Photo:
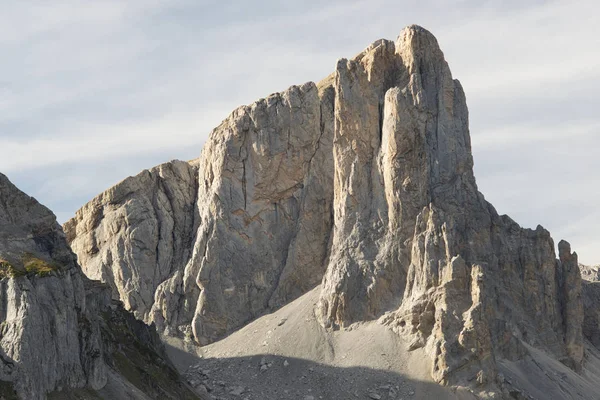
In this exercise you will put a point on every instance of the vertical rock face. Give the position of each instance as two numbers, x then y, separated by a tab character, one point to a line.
591	303
56	330
203	250
393	100
139	234
366	181
413	237
264	199
41	307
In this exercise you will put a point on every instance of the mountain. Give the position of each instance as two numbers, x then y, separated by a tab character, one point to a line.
203	248
361	185
61	335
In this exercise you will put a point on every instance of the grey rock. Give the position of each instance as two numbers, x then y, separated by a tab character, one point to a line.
60	331
265	204
590	272
591	308
41	308
205	252
364	183
138	237
413	234
237	390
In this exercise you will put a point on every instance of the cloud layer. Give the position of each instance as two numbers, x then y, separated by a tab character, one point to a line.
91	92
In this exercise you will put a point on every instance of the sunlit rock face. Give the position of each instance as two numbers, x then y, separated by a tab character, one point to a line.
201	248
414	239
364	183
138	237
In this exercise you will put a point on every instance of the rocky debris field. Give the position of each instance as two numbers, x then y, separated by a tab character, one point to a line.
274	377
287	355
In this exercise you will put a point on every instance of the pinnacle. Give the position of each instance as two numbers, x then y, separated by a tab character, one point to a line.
418	39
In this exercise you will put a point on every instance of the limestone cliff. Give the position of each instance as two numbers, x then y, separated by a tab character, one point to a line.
59	331
203	252
414	238
364	181
139	234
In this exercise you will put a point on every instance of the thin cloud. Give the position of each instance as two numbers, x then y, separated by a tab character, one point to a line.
93	92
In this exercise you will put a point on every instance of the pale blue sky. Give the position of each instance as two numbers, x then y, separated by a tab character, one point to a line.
94	91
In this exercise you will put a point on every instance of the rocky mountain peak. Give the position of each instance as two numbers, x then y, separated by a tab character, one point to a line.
362	186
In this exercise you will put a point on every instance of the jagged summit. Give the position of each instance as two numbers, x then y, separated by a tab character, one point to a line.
362	186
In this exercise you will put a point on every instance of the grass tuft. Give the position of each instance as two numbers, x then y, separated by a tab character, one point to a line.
37	266
7	270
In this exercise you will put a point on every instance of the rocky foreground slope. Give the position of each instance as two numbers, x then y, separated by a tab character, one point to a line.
61	335
363	183
287	355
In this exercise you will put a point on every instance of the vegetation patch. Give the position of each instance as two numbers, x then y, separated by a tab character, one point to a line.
37	266
7	270
7	391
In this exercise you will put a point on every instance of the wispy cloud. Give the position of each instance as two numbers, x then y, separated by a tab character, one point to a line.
91	92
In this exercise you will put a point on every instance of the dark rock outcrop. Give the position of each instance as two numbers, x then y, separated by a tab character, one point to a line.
59	331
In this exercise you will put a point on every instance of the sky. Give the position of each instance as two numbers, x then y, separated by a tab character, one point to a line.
94	91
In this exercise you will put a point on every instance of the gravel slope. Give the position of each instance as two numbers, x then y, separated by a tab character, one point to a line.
288	355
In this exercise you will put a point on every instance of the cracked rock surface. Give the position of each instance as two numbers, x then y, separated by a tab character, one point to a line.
363	183
61	336
202	248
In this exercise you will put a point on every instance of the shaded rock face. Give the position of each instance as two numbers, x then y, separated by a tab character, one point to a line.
591	321
54	320
591	302
366	182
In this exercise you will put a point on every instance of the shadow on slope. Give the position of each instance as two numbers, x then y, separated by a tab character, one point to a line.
288	355
268	377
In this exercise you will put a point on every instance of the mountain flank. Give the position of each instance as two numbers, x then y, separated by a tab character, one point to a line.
61	334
